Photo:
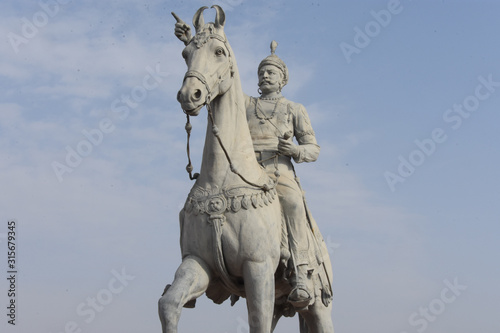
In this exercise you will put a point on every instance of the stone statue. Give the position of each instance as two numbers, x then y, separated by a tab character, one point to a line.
237	240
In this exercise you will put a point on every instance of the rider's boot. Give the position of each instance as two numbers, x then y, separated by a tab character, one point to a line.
300	296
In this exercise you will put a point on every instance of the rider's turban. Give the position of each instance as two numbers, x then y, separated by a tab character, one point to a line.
274	60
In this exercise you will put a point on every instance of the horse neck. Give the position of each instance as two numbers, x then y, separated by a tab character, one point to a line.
229	117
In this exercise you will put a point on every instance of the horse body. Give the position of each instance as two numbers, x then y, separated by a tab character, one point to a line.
231	223
216	175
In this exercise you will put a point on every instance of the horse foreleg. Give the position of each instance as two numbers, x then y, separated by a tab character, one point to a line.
191	281
259	289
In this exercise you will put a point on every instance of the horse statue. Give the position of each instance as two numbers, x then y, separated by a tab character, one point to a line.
231	224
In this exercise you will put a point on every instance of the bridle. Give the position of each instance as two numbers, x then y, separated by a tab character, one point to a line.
215	129
220	76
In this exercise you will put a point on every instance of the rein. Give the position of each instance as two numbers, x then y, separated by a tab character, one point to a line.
215	129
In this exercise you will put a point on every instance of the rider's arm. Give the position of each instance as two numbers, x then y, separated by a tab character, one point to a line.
307	149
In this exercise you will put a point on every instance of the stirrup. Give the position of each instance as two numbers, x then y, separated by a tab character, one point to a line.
299	303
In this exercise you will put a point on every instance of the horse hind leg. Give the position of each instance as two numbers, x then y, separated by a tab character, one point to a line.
190	282
317	319
278	313
303	325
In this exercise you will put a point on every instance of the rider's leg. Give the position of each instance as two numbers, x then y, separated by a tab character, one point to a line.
296	220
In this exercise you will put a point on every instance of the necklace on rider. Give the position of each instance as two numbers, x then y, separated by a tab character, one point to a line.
263	118
270	98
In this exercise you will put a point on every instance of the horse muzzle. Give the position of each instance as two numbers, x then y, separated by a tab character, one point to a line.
192	96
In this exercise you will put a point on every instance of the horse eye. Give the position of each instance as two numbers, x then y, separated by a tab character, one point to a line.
219	51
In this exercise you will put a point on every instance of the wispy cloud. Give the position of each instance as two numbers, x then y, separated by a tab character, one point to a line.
120	206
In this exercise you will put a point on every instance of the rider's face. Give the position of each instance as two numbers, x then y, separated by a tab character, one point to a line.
269	79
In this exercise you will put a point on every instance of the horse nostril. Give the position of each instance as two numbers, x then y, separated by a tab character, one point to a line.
197	94
179	96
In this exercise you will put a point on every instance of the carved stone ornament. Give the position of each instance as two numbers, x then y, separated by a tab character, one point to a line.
215	202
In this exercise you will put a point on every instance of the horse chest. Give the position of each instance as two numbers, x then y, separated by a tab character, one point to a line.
238	236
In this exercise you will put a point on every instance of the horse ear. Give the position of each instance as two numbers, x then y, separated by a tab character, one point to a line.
198	20
220	17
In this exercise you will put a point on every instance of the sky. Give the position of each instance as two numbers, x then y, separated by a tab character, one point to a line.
403	97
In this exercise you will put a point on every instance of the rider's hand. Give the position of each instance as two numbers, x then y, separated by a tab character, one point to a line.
287	147
182	30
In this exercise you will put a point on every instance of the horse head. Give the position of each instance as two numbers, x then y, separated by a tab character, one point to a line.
209	61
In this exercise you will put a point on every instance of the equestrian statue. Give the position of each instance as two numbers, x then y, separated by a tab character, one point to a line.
245	229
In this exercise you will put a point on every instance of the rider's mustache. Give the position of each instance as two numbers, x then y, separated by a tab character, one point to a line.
261	82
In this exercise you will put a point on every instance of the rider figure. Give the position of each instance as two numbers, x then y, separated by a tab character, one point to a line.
274	121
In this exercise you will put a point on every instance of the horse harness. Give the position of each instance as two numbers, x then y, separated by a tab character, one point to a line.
215	203
200	40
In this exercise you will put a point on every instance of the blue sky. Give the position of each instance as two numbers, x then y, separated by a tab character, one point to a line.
403	97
